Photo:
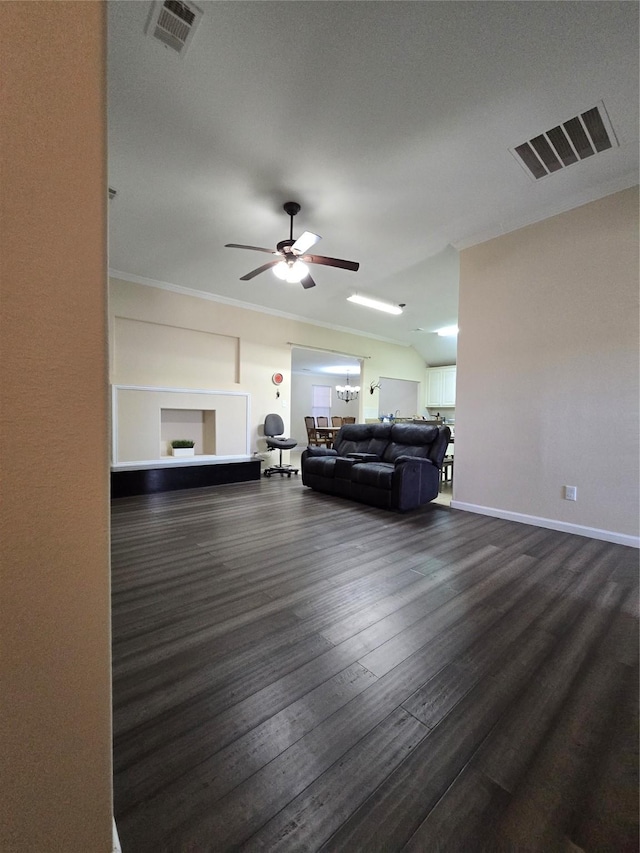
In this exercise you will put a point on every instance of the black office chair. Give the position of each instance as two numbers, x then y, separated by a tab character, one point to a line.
273	430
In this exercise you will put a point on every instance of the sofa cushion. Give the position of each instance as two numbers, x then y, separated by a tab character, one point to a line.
375	474
410	440
321	466
362	438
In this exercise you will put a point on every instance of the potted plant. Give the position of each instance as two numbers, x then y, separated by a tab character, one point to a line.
182	447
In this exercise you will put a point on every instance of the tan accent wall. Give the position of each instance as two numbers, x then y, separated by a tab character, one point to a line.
547	390
54	597
261	342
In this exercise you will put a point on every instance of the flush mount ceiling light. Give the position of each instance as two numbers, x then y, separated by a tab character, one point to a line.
375	303
447	331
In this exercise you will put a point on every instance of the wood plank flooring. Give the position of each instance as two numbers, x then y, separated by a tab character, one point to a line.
298	672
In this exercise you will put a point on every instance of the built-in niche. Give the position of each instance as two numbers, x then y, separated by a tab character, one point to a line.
147	419
199	425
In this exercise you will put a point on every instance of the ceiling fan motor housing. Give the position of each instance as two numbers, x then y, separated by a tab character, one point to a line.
284	247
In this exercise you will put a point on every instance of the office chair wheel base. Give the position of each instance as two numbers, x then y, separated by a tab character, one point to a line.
283	471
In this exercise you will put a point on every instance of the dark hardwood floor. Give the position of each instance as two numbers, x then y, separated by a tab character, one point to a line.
299	672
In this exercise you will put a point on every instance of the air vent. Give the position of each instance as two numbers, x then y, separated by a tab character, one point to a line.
174	23
573	140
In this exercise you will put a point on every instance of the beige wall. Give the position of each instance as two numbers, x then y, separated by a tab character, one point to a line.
261	341
55	663
147	420
547	390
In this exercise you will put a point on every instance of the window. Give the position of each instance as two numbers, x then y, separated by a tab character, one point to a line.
321	400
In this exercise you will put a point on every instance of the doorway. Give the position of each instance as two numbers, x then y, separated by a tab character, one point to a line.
323	371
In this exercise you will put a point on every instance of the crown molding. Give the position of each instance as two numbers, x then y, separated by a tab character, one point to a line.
247	306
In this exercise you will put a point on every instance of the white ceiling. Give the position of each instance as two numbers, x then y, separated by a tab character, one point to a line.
332	364
389	122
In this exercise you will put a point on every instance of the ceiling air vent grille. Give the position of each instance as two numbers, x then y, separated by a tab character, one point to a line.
174	22
575	139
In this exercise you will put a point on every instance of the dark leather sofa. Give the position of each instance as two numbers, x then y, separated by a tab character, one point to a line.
392	466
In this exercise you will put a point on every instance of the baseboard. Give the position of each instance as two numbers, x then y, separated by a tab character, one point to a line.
116	840
551	524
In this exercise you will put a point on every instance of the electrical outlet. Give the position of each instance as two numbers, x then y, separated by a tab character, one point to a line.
570	493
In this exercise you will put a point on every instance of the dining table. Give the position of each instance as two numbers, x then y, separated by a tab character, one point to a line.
326	435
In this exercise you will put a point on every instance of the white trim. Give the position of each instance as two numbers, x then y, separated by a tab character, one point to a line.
247	306
116	839
551	524
179	462
181	390
114	409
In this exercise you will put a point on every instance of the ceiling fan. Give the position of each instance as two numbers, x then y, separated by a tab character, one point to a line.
290	263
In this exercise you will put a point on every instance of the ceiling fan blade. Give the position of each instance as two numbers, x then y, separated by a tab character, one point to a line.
331	262
307	282
305	241
253	248
257	271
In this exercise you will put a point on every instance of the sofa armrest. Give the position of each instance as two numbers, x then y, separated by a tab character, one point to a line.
421	460
364	457
415	481
315	450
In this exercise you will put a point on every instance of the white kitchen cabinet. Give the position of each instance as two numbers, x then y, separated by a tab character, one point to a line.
441	386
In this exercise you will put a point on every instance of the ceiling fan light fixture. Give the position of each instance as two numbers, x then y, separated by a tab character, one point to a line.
281	270
374	303
291	268
291	273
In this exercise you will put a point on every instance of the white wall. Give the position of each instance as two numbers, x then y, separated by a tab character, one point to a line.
548	389
207	345
54	538
401	397
302	397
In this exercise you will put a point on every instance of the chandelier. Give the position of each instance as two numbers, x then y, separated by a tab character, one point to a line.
347	392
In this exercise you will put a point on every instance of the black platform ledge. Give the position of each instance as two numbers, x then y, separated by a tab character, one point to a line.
167	475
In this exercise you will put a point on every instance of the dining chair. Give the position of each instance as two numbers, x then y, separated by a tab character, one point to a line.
312	435
321	420
336	421
349	420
